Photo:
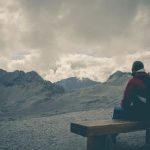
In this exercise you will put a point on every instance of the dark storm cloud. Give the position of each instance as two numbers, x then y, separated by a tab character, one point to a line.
86	20
68	26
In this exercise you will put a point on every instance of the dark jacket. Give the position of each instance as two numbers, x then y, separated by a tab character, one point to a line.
137	94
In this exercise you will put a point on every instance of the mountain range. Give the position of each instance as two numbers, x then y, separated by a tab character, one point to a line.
24	94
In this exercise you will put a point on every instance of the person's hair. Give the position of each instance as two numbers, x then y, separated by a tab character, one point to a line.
137	65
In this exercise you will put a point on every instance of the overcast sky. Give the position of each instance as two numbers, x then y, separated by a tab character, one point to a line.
83	38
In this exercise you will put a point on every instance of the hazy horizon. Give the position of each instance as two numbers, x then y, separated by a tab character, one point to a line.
65	38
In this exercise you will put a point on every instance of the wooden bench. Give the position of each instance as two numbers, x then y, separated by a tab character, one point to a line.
101	133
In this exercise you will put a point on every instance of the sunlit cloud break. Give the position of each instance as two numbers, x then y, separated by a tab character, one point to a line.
94	68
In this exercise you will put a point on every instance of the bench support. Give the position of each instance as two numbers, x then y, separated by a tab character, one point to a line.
104	142
148	136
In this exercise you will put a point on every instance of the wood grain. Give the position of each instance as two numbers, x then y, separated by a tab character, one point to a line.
103	127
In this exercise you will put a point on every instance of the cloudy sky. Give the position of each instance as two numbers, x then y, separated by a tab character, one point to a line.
83	38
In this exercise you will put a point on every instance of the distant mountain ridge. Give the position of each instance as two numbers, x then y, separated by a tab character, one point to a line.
118	78
20	78
74	83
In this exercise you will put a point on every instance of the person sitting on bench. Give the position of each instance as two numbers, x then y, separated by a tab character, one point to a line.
136	100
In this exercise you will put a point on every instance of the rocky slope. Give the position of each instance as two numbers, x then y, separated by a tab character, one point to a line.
21	91
118	78
27	94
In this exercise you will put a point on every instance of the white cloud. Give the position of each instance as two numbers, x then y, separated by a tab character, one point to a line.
25	60
81	65
95	68
73	38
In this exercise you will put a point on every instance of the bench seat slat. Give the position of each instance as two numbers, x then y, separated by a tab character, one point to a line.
102	127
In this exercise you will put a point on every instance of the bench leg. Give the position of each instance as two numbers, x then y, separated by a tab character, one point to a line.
105	142
147	136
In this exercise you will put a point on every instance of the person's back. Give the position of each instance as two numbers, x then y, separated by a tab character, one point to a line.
136	101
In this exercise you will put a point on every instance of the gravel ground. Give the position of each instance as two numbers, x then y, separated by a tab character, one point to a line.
53	133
